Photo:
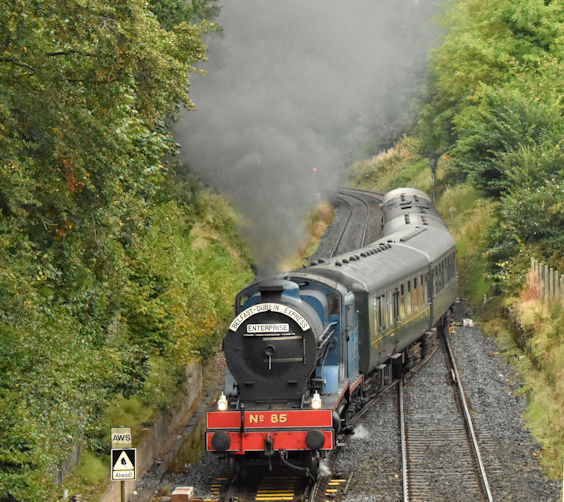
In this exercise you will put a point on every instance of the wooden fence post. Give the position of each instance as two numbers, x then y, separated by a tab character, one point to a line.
551	282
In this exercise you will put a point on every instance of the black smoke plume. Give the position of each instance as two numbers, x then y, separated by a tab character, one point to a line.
295	85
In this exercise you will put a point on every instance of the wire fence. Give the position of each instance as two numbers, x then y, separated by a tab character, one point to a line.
550	282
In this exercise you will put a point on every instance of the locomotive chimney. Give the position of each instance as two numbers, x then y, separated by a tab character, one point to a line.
272	291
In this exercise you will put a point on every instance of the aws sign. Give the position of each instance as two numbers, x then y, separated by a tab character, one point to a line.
121	437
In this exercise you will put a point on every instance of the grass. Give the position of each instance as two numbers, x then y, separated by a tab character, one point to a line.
316	224
129	412
469	220
92	469
90	476
544	377
540	365
396	167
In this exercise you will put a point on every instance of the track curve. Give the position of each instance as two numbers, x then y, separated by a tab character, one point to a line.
357	222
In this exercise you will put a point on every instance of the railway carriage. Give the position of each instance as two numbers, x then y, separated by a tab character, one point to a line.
308	348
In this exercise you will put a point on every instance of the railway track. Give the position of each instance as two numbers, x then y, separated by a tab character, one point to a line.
371	201
319	492
263	486
440	454
348	209
354	227
441	459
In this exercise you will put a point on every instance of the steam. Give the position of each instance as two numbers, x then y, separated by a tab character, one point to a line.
297	85
360	432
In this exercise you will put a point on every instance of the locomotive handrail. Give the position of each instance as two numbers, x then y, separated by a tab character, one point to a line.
325	335
323	347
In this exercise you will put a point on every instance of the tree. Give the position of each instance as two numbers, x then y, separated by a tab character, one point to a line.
85	90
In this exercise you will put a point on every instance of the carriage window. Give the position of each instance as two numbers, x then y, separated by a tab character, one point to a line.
396	306
380	313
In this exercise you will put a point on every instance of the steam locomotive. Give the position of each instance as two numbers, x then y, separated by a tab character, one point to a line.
308	348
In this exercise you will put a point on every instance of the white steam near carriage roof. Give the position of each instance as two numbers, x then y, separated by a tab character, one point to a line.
297	85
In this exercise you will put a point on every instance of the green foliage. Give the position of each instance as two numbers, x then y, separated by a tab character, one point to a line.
98	271
505	121
494	102
469	218
486	43
92	469
173	12
533	209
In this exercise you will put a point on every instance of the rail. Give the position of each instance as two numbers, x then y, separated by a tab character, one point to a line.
468	419
362	199
342	232
415	478
370	200
403	444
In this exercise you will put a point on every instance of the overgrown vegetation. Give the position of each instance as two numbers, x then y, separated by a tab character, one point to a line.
492	115
538	355
113	265
315	223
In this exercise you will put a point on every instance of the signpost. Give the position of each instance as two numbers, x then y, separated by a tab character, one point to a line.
123	457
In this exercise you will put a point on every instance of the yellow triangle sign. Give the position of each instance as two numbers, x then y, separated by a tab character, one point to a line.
123	463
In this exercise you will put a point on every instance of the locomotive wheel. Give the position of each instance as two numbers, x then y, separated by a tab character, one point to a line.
347	422
312	465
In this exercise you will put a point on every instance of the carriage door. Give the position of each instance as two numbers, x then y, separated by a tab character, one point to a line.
349	343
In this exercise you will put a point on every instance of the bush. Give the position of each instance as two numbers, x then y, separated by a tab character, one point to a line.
507	128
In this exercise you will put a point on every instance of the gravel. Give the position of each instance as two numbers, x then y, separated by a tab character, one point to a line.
201	475
372	454
509	451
